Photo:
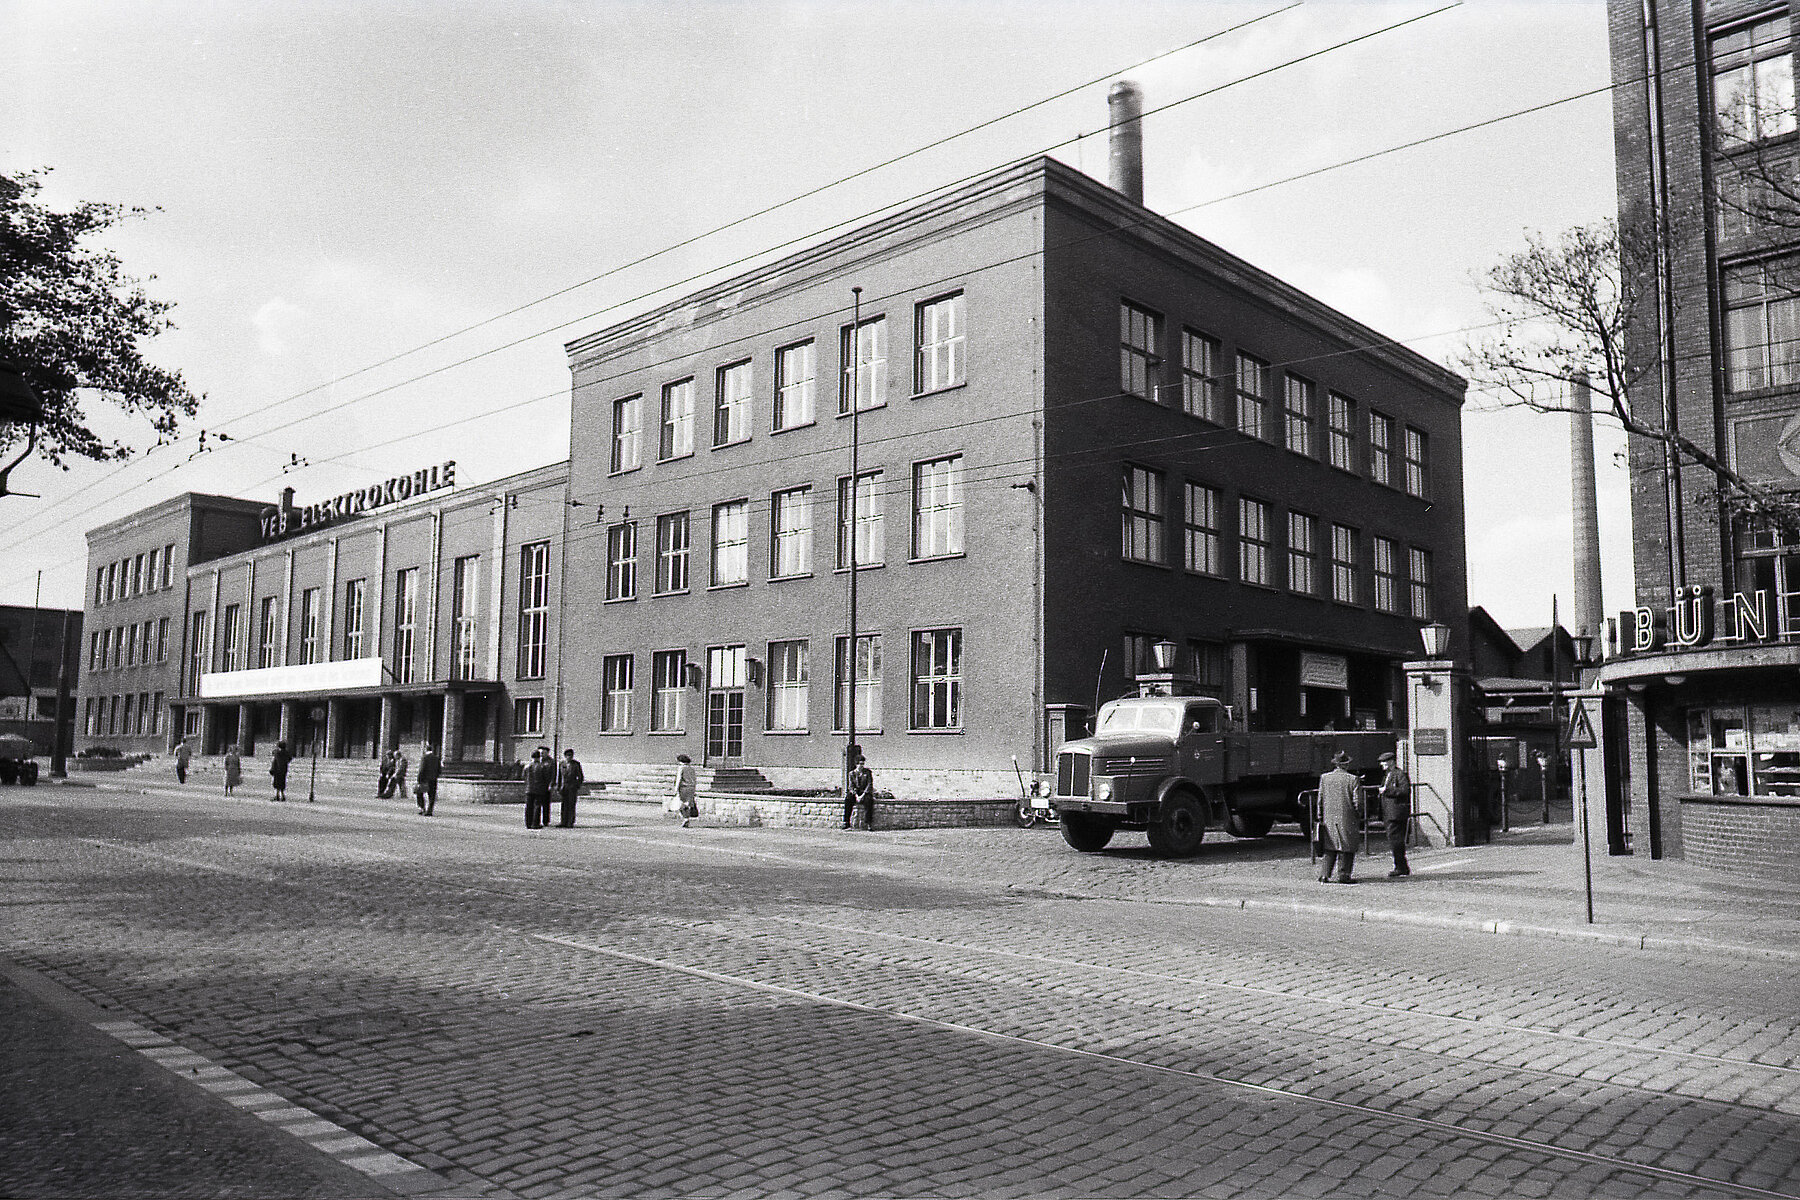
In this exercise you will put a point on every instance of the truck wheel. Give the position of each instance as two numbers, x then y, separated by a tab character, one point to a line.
1178	831
1087	834
1248	825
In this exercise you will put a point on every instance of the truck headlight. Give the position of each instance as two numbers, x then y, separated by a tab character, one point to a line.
1103	790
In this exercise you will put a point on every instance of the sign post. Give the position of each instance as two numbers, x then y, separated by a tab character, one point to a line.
1581	738
317	714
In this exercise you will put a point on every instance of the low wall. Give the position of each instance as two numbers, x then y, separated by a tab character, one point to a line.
481	791
1747	835
105	764
827	812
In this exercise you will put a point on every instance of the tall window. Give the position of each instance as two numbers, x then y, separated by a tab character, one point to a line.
168	566
861	519
790	519
937	679
1419	564
162	639
1381	448
1138	659
1300	412
677	440
1753	82
133	638
787	686
731	543
731	405
137	575
1303	553
1202	553
940	361
938	508
99	585
197	651
94	651
1762	325
1343	564
355	595
1341	430
1387	575
628	434
1140	351
866	370
1143	515
112	574
668	670
795	367
868	684
156	713
672	544
615	698
231	634
309	625
464	599
406	624
1253	542
528	716
534	608
1203	390
1414	449
1253	395
621	561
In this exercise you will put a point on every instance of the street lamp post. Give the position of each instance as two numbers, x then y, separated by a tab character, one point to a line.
315	714
854	499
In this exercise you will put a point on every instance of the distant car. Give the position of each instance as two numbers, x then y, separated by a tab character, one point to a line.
18	760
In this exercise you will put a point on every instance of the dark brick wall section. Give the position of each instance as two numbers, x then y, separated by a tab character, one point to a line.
1759	837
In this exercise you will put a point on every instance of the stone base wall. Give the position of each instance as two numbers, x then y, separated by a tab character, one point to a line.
827	812
480	791
942	784
1755	836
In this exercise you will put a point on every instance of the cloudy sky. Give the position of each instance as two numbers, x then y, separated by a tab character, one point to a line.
344	189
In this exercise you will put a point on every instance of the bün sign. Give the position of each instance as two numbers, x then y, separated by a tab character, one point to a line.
278	522
1697	619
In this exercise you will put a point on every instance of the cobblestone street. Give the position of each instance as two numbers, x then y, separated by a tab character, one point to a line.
460	1007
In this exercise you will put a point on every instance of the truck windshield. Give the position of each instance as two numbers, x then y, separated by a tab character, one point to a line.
1149	718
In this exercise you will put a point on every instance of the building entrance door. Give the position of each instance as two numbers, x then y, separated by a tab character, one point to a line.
725	704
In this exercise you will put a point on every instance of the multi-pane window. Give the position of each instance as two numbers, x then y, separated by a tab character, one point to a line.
1762	325
1138	658
1419	571
1140	351
99	585
668	675
672	545
230	638
731	543
355	595
162	639
197	651
406	623
1253	377
125	722
1143	512
940	361
867	692
1340	431
731	405
1303	553
168	566
112	576
132	637
787	686
94	651
677	438
795	368
865	369
1343	564
621	561
137	575
860	525
1203	391
790	520
1753	82
1202	519
464	598
528	716
1253	542
937	679
938	508
1206	662
615	695
1300	413
1387	575
534	608
1381	448
309	625
156	712
1414	449
628	434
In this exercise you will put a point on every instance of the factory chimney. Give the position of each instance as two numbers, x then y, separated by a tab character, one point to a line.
1126	144
1586	510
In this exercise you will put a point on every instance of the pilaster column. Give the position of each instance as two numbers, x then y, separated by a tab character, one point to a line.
209	728
290	712
334	728
452	749
1438	753
246	723
384	740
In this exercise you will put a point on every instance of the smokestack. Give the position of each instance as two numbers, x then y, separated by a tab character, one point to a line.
1126	143
287	498
1583	500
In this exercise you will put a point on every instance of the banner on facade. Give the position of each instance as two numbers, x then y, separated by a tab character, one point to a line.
285	681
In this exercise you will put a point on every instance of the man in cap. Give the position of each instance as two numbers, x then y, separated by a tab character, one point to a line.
1340	819
1396	811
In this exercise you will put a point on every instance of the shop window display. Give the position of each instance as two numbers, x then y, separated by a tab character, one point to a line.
1737	751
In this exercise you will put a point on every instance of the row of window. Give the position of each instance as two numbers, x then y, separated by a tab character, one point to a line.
1246	400
138	644
940	361
127	715
1314	558
135	575
937	532
1753	82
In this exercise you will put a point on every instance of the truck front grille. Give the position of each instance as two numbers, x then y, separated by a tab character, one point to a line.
1072	774
1127	766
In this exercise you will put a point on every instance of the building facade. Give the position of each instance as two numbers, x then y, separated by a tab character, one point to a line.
36	646
1703	667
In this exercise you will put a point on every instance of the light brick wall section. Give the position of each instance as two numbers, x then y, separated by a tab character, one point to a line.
1743	837
823	812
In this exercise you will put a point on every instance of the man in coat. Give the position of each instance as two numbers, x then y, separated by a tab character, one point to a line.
278	769
569	778
687	789
384	787
398	779
1340	819
426	789
861	790
184	753
540	773
1396	811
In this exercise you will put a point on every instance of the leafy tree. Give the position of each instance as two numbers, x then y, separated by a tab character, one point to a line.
74	322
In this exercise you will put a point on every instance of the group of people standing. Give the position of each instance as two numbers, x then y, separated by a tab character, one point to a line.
547	775
392	780
1340	821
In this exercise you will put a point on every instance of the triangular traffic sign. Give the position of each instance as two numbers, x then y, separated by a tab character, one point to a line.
1581	727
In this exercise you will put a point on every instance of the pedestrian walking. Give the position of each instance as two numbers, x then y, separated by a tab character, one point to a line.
1340	819
569	778
183	753
540	773
399	780
425	791
687	787
234	769
278	769
861	790
385	786
1396	811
